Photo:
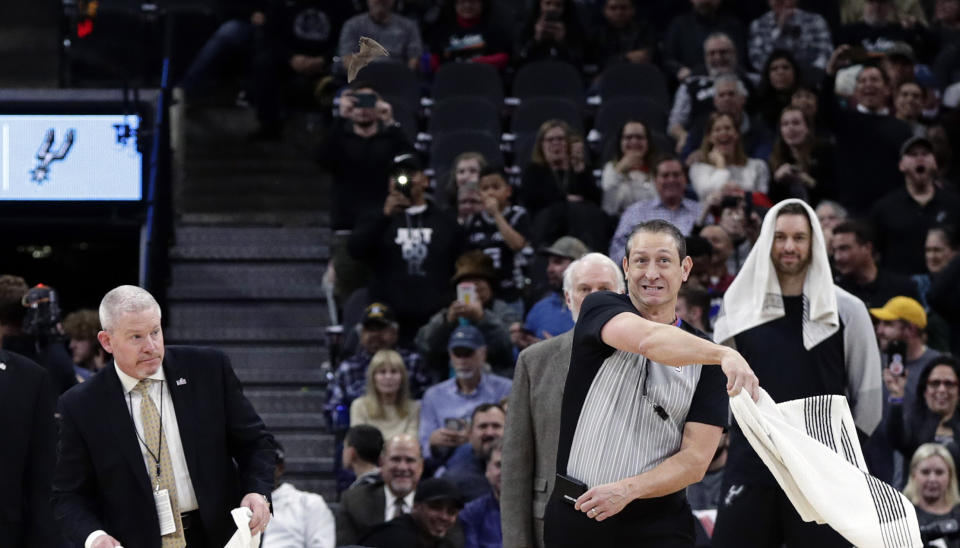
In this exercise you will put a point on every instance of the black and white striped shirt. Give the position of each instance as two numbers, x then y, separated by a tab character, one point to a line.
623	414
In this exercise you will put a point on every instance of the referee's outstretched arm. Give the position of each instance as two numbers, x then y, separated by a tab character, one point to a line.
671	345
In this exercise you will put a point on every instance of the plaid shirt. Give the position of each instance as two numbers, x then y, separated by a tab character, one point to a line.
350	380
805	34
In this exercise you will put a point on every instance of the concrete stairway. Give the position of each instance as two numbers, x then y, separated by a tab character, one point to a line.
251	247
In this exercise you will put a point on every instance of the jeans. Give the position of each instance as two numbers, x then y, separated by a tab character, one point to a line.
232	38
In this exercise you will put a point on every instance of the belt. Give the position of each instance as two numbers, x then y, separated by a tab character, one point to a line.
189	519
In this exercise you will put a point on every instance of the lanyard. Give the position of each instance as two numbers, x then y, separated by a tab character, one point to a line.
155	457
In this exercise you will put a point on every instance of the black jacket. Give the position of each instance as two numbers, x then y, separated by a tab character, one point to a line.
412	259
27	453
101	481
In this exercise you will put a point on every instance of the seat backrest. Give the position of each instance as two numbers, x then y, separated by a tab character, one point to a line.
468	79
404	116
532	113
615	112
549	79
443	151
460	113
634	80
393	78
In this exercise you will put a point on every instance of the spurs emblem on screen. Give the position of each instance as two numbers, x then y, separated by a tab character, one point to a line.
46	154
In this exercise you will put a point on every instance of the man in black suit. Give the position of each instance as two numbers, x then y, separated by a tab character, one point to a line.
29	434
156	450
366	506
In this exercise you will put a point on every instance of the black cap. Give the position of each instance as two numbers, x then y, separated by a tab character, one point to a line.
378	314
915	140
438	489
407	163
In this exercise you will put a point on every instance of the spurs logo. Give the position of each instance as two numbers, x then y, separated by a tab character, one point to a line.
46	154
732	493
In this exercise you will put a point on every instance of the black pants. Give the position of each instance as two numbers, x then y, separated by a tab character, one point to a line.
761	516
195	535
664	523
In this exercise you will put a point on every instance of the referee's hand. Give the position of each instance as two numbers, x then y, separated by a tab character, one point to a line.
739	375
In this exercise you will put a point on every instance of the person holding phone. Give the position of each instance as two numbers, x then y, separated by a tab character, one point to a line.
552	32
410	247
476	304
901	332
932	417
457	397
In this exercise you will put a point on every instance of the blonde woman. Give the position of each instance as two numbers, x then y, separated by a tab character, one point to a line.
932	487
386	403
721	159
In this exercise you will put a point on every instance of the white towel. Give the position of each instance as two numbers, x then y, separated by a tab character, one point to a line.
811	448
754	298
242	538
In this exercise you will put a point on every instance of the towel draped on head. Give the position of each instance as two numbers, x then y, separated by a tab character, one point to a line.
755	298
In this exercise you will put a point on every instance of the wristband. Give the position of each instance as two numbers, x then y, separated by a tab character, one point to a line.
895	400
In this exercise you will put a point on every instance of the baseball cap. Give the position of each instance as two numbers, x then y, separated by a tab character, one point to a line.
438	489
377	314
567	246
902	308
466	336
915	140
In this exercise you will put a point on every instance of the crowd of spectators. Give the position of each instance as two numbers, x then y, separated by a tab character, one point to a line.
851	106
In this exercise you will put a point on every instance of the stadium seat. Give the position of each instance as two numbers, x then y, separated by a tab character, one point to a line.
549	79
467	79
634	80
464	113
615	112
443	151
394	79
530	114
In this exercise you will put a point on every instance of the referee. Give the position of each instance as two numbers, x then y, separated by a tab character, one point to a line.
636	427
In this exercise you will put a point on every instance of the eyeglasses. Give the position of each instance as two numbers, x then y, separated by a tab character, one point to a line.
937	383
462	352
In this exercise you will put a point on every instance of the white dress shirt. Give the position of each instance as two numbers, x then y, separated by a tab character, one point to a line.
391	498
186	498
300	520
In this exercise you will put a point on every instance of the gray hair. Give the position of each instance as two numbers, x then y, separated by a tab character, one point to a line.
837	208
718	35
124	299
592	258
730	78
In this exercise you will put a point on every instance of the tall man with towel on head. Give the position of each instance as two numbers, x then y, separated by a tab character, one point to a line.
804	337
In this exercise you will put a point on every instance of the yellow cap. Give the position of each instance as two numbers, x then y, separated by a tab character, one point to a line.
902	308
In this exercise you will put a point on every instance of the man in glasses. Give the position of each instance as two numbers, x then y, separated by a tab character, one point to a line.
447	406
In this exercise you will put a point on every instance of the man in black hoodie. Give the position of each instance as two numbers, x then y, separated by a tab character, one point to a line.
411	247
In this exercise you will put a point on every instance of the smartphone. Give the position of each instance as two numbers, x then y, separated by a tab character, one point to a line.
365	100
467	293
569	489
454	423
896	350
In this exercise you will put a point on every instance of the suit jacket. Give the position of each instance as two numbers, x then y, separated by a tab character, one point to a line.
361	509
530	439
27	452
101	481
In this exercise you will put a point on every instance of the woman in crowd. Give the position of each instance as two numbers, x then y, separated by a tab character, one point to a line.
466	168
933	417
466	32
941	246
627	176
386	403
802	168
781	78
932	486
551	176
721	158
